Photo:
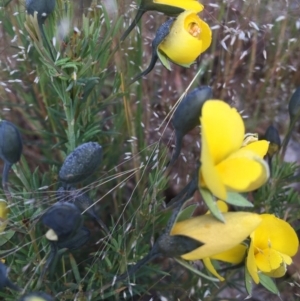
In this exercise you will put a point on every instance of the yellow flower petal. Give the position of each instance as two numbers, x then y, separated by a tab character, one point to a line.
3	209
243	171
223	128
217	237
184	4
189	36
278	272
3	215
208	175
211	268
222	206
234	255
251	264
277	234
268	260
260	147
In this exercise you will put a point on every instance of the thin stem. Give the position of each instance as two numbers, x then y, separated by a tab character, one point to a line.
153	61
137	18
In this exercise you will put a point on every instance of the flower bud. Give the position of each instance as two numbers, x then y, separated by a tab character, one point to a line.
63	219
294	104
186	115
81	163
43	8
272	136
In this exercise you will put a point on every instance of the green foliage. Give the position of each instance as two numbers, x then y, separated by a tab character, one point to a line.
71	87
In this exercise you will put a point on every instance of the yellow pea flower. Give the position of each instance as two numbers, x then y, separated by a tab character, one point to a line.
227	165
216	236
3	215
189	36
273	243
171	7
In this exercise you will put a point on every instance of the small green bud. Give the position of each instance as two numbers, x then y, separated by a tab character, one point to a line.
294	105
81	163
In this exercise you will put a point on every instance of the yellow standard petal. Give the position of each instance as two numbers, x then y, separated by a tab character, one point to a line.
243	171
222	131
217	237
223	128
208	174
251	264
189	36
277	234
184	4
211	268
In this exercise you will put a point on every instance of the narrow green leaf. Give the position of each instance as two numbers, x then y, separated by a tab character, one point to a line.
248	282
164	59
237	199
75	269
268	283
6	236
186	213
211	204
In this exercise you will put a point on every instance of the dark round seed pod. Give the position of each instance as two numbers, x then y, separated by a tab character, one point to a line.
273	137
294	104
43	8
64	219
177	245
10	148
10	142
4	280
81	163
40	296
187	115
77	241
